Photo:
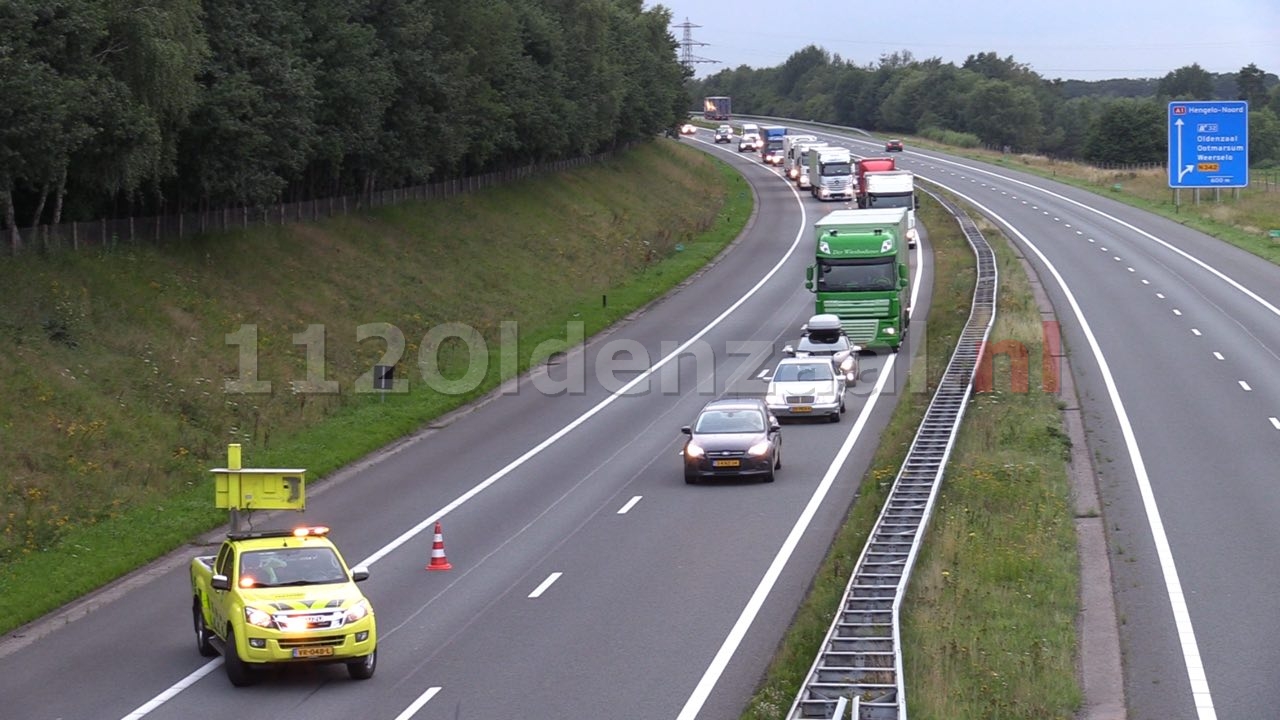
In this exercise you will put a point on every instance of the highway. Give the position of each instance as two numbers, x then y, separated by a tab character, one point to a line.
589	580
671	605
1175	343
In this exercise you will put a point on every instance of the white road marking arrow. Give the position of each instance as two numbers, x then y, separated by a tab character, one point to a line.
1185	168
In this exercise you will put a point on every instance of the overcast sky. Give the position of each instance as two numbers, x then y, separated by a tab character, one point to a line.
1076	39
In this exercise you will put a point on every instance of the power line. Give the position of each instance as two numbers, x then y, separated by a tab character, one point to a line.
687	44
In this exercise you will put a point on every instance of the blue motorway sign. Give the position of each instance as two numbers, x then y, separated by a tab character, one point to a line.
1208	143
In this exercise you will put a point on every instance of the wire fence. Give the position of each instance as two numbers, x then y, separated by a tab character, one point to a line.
108	233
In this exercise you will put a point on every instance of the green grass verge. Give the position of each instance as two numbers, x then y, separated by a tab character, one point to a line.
988	624
112	407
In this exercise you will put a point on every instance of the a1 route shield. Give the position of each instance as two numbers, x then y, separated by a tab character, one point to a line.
1208	144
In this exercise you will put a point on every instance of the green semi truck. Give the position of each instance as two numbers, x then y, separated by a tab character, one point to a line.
861	274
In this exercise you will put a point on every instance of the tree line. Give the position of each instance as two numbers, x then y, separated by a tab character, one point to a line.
998	102
133	107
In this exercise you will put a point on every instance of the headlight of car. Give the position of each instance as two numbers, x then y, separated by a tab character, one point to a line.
357	611
254	616
771	399
694	450
760	449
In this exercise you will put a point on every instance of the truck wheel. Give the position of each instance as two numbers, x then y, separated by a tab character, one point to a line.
202	632
238	671
363	668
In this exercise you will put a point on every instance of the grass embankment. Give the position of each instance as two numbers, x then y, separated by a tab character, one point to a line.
1245	221
112	399
989	621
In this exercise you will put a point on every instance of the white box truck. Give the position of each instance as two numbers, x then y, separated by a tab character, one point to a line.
791	154
893	189
831	173
802	165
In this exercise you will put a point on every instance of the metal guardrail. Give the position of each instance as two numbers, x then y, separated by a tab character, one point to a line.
861	656
793	121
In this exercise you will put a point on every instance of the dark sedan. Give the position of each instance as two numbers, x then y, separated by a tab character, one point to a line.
733	437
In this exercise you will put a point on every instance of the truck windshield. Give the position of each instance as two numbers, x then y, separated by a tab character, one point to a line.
890	201
775	144
290	566
856	275
836	168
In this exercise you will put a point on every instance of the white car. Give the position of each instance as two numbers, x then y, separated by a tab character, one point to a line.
749	142
806	387
688	129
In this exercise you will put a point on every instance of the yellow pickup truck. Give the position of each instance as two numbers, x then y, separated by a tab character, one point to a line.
282	596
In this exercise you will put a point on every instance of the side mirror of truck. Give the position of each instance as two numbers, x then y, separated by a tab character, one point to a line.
915	201
902	275
808	278
219	582
359	573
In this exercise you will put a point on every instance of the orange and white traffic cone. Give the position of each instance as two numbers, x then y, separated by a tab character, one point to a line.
438	560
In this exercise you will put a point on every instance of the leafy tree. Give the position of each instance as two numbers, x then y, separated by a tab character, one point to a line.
1251	86
1001	113
1069	126
1128	131
1264	138
993	67
254	127
794	70
354	83
1190	82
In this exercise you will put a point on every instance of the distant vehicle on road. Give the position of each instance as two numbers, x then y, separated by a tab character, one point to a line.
688	129
824	336
893	146
749	142
732	437
716	108
724	134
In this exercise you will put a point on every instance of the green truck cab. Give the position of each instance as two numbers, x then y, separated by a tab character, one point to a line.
861	274
282	596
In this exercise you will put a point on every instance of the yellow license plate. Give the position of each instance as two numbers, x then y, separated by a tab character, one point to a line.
312	652
801	408
725	463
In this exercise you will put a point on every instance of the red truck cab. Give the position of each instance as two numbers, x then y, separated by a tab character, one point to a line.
864	166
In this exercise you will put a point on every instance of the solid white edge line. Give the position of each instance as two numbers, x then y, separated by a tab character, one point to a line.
416	705
630	504
716	668
457	502
748	615
173	690
1199	684
1184	254
551	579
581	419
1201	697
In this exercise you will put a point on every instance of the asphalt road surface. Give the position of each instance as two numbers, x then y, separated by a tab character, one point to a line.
589	580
